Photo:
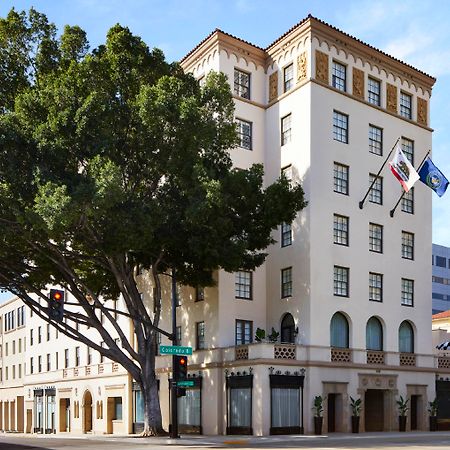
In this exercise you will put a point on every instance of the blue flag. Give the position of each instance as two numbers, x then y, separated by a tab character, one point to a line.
433	177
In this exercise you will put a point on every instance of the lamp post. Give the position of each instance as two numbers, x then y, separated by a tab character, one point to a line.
173	391
302	383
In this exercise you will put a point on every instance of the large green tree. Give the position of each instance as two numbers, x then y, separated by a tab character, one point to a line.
111	161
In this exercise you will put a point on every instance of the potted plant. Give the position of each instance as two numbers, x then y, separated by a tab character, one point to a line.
318	410
403	408
260	335
273	336
355	405
432	409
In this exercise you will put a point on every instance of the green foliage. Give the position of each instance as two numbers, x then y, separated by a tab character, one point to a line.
402	405
433	407
318	405
273	336
260	334
355	405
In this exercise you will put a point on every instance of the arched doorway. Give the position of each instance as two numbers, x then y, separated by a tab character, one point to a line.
87	412
288	329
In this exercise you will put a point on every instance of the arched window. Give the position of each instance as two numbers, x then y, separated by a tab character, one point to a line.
406	338
288	329
339	331
374	334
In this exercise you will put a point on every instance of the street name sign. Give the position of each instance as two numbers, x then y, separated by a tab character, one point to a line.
187	383
174	350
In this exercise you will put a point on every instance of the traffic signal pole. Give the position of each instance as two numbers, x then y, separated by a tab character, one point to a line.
173	396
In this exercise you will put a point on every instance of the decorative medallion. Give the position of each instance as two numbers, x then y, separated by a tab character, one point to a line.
321	66
302	66
358	83
391	98
273	86
422	111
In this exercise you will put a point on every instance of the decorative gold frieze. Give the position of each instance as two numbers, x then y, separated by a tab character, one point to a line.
391	98
321	66
302	66
422	111
273	86
358	83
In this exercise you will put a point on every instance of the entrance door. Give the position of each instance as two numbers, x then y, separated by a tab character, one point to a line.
414	406
331	413
374	410
87	410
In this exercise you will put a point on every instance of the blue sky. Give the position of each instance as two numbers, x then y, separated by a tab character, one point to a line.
416	32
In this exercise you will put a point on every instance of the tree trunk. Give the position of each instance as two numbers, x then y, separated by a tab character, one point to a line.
150	394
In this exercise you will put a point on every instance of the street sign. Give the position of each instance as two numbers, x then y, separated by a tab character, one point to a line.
185	383
174	350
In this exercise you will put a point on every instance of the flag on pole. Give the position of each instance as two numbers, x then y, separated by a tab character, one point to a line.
433	177
403	169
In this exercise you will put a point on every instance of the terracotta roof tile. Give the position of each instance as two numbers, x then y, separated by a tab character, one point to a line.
441	315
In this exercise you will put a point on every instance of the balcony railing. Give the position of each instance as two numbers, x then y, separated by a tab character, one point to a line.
341	355
407	359
375	357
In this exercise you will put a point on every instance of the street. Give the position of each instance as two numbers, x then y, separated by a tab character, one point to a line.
384	441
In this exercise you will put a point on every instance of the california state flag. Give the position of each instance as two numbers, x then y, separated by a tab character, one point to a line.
403	170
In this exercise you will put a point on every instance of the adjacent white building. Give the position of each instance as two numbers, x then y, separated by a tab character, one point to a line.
347	288
441	278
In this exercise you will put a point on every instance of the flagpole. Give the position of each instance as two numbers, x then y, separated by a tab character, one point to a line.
392	211
361	203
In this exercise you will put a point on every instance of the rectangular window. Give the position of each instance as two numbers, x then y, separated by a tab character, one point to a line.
31	365
13	347
405	105
375	140
244	332
407	292
102	358
89	356
287	172
20	370
286	282
243	284
286	129
408	245
375	238
48	332
117	408
14	372
373	91
77	356
341	281
339	76
375	287
376	192
340	229
20	345
340	127
341	178
288	77
199	293
66	358
440	261
286	234
39	335
244	131
56	361
408	149
242	84
39	364
6	349
48	362
408	201
200	334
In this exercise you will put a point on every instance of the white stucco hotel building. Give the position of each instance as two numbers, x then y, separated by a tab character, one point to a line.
347	288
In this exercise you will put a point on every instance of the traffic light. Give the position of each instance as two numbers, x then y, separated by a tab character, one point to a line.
56	305
180	368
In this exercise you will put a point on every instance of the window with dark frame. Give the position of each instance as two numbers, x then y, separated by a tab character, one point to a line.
288	77
66	358
375	287
373	91
405	105
244	332
244	131
48	362
286	282
440	261
31	365
408	149
39	364
286	234
341	281
243	284
407	292
339	76
286	129
376	191
340	127
242	84
375	238
340	229
199	293
39	335
200	335
407	201
287	172
341	178
408	245
375	140
77	356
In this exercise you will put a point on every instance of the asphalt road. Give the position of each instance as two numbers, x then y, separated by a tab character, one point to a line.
381	441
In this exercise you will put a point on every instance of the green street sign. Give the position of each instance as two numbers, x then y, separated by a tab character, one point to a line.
187	383
174	350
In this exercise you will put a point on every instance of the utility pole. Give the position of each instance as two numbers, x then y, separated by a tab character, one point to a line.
173	396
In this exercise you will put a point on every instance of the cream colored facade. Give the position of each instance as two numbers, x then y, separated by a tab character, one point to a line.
237	386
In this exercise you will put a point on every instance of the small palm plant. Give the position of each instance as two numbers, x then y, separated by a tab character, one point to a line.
318	406
355	405
402	404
